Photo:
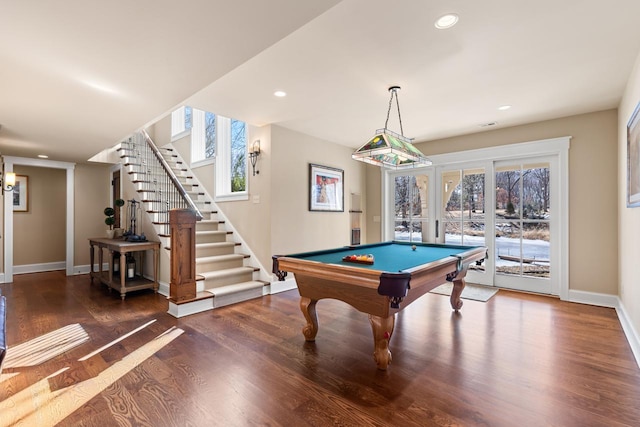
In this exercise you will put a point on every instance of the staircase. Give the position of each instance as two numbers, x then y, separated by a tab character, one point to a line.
164	182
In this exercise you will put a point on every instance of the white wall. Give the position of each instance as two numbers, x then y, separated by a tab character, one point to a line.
293	227
628	218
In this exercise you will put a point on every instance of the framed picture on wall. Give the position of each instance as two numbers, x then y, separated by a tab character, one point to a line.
327	189
21	194
633	159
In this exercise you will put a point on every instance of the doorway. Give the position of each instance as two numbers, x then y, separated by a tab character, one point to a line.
9	162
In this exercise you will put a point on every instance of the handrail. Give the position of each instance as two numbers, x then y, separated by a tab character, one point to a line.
172	176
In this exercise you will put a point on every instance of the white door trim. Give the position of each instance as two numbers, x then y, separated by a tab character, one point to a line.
9	162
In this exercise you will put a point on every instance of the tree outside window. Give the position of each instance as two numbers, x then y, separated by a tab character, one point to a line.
238	156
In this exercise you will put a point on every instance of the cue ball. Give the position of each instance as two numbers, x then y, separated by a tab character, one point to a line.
413	247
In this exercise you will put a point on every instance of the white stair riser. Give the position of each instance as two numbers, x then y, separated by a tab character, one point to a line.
207	226
146	195
154	206
204	251
228	280
128	158
211	238
217	265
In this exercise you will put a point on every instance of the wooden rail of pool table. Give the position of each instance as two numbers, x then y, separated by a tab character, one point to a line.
358	287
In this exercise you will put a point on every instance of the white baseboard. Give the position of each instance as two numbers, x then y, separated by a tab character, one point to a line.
85	269
612	301
629	331
281	286
592	298
39	268
163	288
186	309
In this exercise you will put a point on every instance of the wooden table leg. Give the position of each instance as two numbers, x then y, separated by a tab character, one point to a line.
110	265
308	307
458	286
155	271
382	330
100	260
91	258
456	301
123	274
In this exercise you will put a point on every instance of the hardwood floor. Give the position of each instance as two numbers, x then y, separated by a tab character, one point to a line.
517	360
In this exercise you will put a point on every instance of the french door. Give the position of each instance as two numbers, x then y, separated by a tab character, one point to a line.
460	221
462	209
513	207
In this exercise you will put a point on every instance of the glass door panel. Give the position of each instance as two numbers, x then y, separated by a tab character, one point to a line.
462	213
522	218
411	215
463	207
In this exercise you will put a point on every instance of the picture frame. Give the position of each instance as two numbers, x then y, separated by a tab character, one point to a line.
326	189
633	159
21	194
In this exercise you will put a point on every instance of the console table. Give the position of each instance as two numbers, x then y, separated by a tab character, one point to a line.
123	247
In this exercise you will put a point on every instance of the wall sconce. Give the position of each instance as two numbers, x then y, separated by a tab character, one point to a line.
254	152
9	182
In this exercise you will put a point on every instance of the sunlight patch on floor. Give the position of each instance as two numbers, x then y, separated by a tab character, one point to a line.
39	405
8	376
45	347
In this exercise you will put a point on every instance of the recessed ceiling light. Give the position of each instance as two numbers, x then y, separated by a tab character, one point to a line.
280	93
504	107
43	156
446	21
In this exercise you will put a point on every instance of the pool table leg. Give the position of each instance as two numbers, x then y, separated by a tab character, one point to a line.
458	286
308	307
382	331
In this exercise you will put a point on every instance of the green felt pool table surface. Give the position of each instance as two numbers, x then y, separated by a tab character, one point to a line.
388	256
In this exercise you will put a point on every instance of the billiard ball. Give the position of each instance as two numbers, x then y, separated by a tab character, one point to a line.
413	247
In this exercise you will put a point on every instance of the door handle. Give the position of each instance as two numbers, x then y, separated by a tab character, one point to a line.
437	229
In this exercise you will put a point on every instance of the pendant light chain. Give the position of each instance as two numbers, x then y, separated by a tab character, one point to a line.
393	91
399	116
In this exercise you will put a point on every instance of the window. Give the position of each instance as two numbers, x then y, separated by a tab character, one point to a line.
216	138
203	136
180	122
231	159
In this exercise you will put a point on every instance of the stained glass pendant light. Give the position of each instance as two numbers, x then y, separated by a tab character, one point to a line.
389	149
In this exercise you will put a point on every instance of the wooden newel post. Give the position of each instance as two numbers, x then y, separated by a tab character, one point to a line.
182	223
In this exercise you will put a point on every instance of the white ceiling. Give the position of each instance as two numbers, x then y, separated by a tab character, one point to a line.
77	79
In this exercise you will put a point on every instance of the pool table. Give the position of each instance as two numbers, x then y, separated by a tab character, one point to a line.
399	273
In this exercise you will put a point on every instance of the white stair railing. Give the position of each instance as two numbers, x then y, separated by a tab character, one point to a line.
156	179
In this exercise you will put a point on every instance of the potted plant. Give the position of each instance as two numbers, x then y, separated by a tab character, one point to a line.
110	219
